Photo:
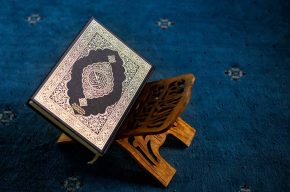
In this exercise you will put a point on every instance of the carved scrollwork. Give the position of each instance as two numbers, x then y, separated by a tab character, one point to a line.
145	149
161	103
152	118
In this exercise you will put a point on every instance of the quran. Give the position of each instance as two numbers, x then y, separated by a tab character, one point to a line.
89	92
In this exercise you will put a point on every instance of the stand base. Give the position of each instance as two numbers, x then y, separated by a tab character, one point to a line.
145	149
154	115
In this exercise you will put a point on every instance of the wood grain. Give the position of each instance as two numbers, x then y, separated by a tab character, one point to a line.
154	116
145	150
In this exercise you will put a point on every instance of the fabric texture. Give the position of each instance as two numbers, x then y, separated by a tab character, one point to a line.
239	52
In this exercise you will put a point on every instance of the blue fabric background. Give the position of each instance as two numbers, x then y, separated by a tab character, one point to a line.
243	126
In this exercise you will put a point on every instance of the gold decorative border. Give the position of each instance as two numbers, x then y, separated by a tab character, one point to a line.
42	96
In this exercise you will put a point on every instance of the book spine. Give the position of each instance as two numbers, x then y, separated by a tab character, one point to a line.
62	127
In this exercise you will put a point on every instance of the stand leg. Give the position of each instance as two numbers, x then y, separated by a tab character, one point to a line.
63	138
182	131
145	150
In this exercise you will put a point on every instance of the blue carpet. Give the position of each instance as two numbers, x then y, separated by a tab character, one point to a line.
238	50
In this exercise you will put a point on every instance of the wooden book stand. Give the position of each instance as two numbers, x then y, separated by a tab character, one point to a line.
154	115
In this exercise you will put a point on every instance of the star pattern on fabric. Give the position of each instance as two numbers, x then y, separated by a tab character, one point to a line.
33	18
245	188
72	184
6	116
235	73
164	23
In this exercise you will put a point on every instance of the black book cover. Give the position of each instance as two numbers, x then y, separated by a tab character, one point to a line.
91	89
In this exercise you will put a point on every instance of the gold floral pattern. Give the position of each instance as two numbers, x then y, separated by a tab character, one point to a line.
95	128
97	80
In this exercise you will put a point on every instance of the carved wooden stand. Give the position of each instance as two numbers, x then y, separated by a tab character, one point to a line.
154	115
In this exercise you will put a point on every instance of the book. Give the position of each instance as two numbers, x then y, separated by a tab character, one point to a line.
89	92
